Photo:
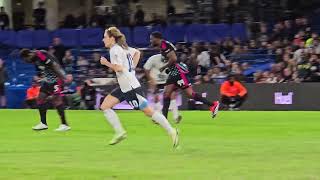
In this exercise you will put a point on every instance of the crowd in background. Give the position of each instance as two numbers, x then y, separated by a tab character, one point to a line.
292	46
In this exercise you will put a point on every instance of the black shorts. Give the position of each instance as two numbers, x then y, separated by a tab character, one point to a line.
159	88
134	97
52	88
2	93
179	77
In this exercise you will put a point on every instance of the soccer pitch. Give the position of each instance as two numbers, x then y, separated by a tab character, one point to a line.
235	145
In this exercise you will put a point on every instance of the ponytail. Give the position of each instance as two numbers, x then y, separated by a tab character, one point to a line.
122	41
118	36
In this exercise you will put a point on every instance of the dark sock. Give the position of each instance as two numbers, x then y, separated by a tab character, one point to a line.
43	113
61	113
198	97
165	108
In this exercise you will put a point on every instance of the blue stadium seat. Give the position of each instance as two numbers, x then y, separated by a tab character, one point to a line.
217	32
8	38
91	37
238	30
41	38
24	39
69	37
175	33
196	33
127	32
141	35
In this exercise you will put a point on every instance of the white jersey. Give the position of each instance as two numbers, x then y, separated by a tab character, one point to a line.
126	79
154	64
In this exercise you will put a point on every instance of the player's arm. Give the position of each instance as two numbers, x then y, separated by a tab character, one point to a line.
172	59
58	70
136	57
114	67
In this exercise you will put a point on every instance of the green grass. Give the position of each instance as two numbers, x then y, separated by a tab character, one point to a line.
236	145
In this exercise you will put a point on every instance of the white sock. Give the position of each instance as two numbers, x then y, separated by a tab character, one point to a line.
159	118
114	121
174	109
157	107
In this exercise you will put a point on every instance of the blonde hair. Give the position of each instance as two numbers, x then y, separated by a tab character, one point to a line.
118	36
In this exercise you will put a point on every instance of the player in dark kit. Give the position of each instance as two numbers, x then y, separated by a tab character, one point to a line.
178	75
51	85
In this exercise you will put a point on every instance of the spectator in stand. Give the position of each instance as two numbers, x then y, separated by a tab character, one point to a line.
18	19
81	20
139	16
155	20
32	95
3	79
95	63
39	16
316	46
171	10
108	16
4	19
309	41
82	66
300	52
68	60
227	46
286	75
70	22
315	68
88	95
97	19
203	59
216	57
233	93
288	30
304	69
59	50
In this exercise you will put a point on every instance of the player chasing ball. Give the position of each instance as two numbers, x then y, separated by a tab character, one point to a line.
123	60
51	86
178	75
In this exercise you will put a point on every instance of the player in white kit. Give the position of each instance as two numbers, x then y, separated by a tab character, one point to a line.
157	82
123	60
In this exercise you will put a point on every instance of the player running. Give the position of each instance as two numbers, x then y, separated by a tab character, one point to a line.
178	75
157	82
123	59
51	86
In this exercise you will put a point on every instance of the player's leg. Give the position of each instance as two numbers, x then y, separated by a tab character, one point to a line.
214	107
168	90
42	107
110	101
157	103
137	100
58	103
164	123
174	108
3	102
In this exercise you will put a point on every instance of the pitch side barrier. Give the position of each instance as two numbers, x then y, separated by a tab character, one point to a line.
275	97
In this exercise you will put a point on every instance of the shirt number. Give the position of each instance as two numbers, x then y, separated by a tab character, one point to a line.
130	62
134	103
